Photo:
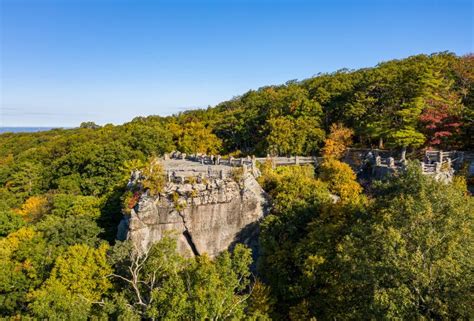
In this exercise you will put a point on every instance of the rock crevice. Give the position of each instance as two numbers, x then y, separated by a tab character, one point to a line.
188	236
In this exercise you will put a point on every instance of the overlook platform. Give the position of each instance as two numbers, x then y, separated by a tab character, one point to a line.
187	168
179	166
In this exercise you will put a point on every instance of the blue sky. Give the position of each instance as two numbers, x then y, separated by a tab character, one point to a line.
68	61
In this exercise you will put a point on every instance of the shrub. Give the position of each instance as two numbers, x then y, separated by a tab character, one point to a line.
154	177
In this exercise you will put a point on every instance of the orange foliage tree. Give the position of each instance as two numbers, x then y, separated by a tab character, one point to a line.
338	140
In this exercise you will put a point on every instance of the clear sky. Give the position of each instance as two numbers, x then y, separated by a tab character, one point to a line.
68	61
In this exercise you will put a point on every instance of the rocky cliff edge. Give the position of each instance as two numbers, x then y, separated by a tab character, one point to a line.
209	217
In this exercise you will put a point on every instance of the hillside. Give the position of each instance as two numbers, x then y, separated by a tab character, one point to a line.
328	249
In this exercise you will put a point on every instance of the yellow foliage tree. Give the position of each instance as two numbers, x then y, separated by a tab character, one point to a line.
79	278
341	180
11	243
15	270
154	177
7	160
33	208
131	165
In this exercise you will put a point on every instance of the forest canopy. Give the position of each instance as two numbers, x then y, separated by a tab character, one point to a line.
401	249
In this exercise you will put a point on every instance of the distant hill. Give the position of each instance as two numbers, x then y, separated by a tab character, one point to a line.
24	129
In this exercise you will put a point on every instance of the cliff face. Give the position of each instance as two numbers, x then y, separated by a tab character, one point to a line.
209	217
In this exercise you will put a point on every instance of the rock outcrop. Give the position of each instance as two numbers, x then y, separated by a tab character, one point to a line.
209	216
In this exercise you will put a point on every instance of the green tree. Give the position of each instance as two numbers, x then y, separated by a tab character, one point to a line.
9	220
66	231
150	139
413	251
89	124
25	261
64	205
464	85
294	136
161	284
215	288
195	137
78	280
260	302
281	138
150	280
26	179
299	240
96	166
297	198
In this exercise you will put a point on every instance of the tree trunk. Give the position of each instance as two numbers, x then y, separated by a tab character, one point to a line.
404	152
380	143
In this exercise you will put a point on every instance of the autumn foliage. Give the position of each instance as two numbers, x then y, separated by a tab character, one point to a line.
154	177
441	123
338	140
327	250
341	179
33	208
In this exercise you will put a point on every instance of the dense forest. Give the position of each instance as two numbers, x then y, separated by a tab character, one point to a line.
401	249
